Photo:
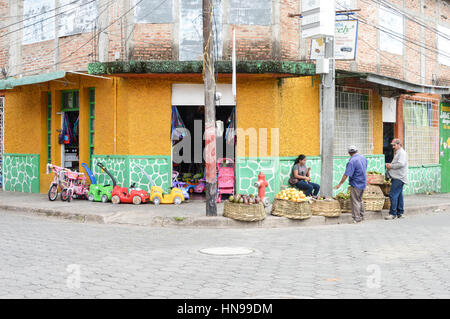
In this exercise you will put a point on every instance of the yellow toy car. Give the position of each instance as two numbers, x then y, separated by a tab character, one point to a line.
157	196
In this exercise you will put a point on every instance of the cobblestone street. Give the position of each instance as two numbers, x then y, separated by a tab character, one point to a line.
49	258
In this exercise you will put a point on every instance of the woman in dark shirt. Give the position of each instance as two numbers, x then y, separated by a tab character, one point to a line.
302	174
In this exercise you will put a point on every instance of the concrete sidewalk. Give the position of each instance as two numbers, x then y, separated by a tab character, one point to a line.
189	214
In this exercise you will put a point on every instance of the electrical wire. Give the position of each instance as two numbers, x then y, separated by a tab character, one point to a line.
106	5
32	17
40	21
31	31
409	17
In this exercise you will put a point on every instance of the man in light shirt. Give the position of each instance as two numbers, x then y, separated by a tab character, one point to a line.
398	171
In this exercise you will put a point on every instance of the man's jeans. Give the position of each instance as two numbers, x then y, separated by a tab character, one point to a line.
396	197
308	188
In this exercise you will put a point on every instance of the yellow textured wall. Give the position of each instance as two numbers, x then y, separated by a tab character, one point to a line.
257	107
300	116
148	103
23	120
377	121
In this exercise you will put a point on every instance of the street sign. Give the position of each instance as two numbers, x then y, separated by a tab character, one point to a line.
318	18
346	35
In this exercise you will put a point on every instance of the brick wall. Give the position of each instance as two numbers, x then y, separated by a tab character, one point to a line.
38	57
290	32
4	46
153	42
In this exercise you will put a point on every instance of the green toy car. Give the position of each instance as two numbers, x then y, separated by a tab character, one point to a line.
101	193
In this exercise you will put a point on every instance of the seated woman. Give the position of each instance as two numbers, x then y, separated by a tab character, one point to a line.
302	174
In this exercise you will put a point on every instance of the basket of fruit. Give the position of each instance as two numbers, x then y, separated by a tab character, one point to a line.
327	207
373	198
291	203
386	187
344	201
247	208
374	177
387	203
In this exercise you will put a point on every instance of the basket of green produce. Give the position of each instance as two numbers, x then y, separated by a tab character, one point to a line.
327	207
344	201
247	208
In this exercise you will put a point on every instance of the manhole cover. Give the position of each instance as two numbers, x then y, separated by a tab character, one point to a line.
227	251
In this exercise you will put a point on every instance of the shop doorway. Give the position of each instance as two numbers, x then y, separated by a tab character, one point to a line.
191	166
388	136
70	115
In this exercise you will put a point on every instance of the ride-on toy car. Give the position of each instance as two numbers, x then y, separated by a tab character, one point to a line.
134	195
157	196
99	192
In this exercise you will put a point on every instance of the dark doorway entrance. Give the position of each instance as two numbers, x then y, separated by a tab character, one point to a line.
388	136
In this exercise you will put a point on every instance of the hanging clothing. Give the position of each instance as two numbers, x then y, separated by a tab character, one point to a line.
178	127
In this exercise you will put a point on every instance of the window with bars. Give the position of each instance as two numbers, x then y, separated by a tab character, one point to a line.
353	120
421	131
49	127
70	101
91	123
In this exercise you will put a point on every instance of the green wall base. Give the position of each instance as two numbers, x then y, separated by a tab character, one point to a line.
125	169
21	172
278	170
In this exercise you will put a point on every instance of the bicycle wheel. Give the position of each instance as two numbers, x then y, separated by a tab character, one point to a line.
53	192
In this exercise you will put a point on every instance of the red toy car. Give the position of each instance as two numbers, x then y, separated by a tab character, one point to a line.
135	196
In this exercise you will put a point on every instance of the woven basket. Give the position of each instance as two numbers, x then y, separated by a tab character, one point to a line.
346	205
375	179
387	203
244	212
385	188
293	210
373	198
327	208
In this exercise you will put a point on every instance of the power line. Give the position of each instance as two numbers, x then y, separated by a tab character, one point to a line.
31	31
404	39
40	21
32	17
68	42
409	17
84	44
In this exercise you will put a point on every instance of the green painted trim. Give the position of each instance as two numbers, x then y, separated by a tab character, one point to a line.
91	131
133	156
425	166
49	127
21	154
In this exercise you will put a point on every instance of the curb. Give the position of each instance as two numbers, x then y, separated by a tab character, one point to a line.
219	221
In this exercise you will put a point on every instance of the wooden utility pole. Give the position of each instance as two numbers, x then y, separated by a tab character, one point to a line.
210	109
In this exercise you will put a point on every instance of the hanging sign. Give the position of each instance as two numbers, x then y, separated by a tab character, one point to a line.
345	40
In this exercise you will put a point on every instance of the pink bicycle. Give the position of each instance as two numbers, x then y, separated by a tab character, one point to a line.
76	186
58	180
72	184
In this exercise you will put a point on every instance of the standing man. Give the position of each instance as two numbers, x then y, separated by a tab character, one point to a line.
356	171
398	171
